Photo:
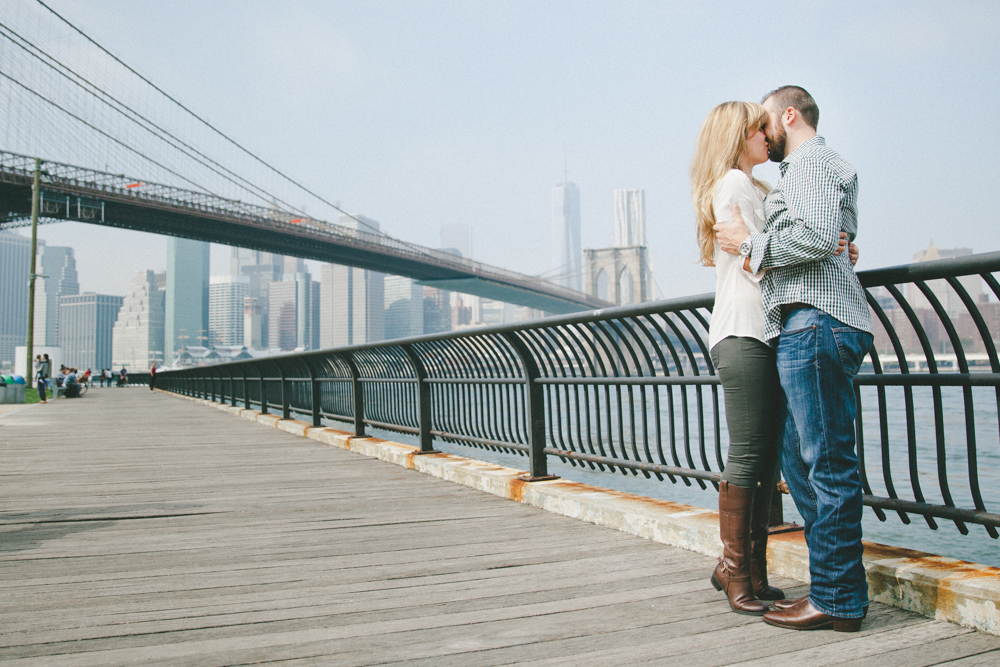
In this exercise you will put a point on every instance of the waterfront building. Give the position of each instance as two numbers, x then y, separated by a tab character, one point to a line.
226	303
567	255
261	268
86	325
352	306
186	319
404	308
56	269
630	218
138	335
15	265
253	330
458	237
437	310
948	297
293	313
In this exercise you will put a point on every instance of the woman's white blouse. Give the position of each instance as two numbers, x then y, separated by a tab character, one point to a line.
738	308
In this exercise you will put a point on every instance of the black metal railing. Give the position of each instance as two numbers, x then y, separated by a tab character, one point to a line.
632	389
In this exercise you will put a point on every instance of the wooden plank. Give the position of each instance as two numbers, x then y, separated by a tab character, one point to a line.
193	537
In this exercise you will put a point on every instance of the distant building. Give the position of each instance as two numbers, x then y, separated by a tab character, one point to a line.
352	307
56	269
630	218
86	325
15	265
253	330
137	338
293	313
622	274
567	255
488	312
947	296
457	237
262	268
186	319
226	303
404	308
437	310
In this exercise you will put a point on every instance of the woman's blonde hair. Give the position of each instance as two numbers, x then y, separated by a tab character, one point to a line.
722	142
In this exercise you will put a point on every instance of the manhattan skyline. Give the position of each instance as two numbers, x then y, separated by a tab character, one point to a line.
418	115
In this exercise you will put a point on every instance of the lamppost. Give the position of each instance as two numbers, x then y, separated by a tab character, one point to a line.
30	344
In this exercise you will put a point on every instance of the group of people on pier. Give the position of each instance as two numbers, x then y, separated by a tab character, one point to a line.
789	331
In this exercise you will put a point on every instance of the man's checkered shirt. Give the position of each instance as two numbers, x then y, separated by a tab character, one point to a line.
813	201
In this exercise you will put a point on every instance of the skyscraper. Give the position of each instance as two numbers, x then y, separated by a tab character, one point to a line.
57	268
253	338
262	268
293	311
137	338
630	218
437	310
404	308
186	319
457	237
567	255
15	265
226	302
352	308
86	325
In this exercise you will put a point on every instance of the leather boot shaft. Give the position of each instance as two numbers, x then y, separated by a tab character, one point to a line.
733	572
759	524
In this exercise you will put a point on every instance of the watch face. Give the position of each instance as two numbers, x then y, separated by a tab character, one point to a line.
745	249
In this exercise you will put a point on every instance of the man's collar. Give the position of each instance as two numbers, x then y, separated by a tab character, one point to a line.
797	154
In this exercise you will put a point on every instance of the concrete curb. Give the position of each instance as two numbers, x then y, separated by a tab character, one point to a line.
942	588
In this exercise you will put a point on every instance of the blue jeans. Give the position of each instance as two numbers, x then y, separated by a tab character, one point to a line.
818	357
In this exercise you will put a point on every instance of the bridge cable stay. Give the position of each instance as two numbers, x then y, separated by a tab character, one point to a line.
207	124
148	124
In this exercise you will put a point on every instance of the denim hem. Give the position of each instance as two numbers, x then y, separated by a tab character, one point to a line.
819	607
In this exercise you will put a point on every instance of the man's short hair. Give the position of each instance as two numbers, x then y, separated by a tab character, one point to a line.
797	98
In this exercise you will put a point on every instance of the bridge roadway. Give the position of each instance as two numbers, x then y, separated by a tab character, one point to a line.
78	194
142	528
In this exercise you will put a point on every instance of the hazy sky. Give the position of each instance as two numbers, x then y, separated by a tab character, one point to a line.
424	113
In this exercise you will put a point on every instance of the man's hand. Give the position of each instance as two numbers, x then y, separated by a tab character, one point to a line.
841	244
853	254
731	234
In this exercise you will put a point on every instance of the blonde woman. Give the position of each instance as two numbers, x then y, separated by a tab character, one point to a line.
731	143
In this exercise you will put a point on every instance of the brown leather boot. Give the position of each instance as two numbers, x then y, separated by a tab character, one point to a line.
732	574
758	544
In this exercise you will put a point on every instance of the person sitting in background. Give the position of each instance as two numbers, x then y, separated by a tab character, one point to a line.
61	376
72	386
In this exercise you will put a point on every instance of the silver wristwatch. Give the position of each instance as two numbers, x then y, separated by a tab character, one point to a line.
746	247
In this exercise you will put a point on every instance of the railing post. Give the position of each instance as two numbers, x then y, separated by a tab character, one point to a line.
246	391
423	401
316	396
286	412
232	389
222	389
535	396
263	391
358	390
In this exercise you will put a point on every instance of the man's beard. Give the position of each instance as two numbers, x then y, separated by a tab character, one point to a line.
776	146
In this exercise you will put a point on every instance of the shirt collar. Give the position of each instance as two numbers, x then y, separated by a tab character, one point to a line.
797	154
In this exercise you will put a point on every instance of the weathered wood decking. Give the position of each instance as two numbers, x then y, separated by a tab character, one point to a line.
136	528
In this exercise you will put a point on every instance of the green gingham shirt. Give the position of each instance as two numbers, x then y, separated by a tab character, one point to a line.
813	201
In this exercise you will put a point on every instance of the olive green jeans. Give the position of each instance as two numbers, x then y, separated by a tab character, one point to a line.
752	391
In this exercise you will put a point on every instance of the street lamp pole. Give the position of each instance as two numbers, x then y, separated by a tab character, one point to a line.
30	345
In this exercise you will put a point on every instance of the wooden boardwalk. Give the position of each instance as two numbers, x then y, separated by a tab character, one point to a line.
137	528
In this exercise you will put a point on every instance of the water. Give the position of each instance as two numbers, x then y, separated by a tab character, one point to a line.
977	546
